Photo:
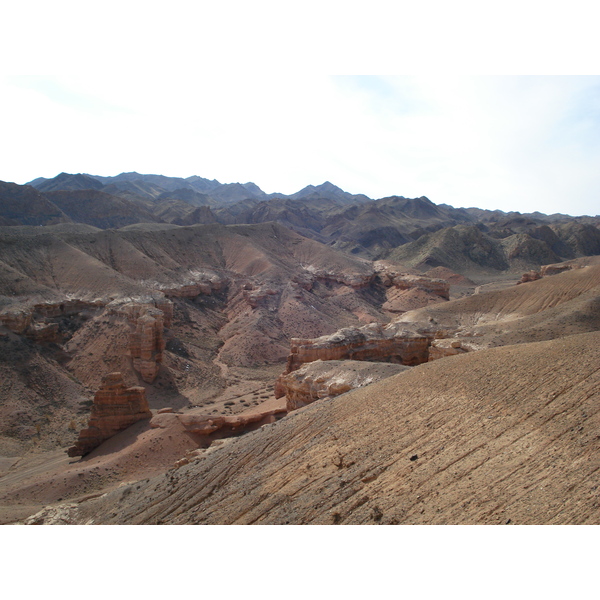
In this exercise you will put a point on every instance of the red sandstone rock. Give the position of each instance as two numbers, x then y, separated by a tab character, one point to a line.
389	277
205	425
166	307
443	348
530	276
354	280
23	320
43	332
322	379
16	320
115	408
147	342
372	342
547	270
557	268
67	308
256	297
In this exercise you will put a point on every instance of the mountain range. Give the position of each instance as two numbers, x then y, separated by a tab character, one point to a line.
414	231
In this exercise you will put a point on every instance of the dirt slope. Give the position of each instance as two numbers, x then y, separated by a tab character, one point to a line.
516	301
507	435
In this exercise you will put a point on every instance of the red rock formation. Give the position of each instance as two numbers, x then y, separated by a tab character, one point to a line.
557	268
406	281
547	270
322	379
67	308
166	307
529	276
16	320
256	297
115	408
43	332
372	342
147	344
443	348
206	425
23	320
408	291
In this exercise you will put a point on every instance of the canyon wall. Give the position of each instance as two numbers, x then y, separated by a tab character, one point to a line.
373	342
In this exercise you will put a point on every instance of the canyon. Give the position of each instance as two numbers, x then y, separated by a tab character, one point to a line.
151	352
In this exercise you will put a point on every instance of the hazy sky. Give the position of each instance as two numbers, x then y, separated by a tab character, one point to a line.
240	92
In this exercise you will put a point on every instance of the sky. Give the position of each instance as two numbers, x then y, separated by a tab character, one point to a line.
274	93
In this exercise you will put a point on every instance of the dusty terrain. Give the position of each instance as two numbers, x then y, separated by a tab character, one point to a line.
500	435
506	436
490	419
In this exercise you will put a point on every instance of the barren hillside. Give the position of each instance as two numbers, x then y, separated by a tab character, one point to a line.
210	353
508	435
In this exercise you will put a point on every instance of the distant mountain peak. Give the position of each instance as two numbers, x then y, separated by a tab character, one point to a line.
327	185
68	181
331	192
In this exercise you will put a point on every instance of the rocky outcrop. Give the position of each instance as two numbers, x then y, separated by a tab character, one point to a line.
323	379
16	320
547	270
409	291
446	347
407	281
206	425
32	321
166	307
66	308
201	283
529	276
146	343
115	408
355	280
44	332
373	342
255	296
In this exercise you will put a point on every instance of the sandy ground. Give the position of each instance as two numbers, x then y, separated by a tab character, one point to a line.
505	436
375	427
37	480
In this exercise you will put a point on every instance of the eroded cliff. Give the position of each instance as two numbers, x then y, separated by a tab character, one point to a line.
115	408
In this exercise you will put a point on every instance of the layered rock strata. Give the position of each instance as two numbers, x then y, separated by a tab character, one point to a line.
115	408
256	296
323	379
530	276
16	320
200	284
207	425
547	270
66	308
147	343
405	281
373	342
442	348
32	321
